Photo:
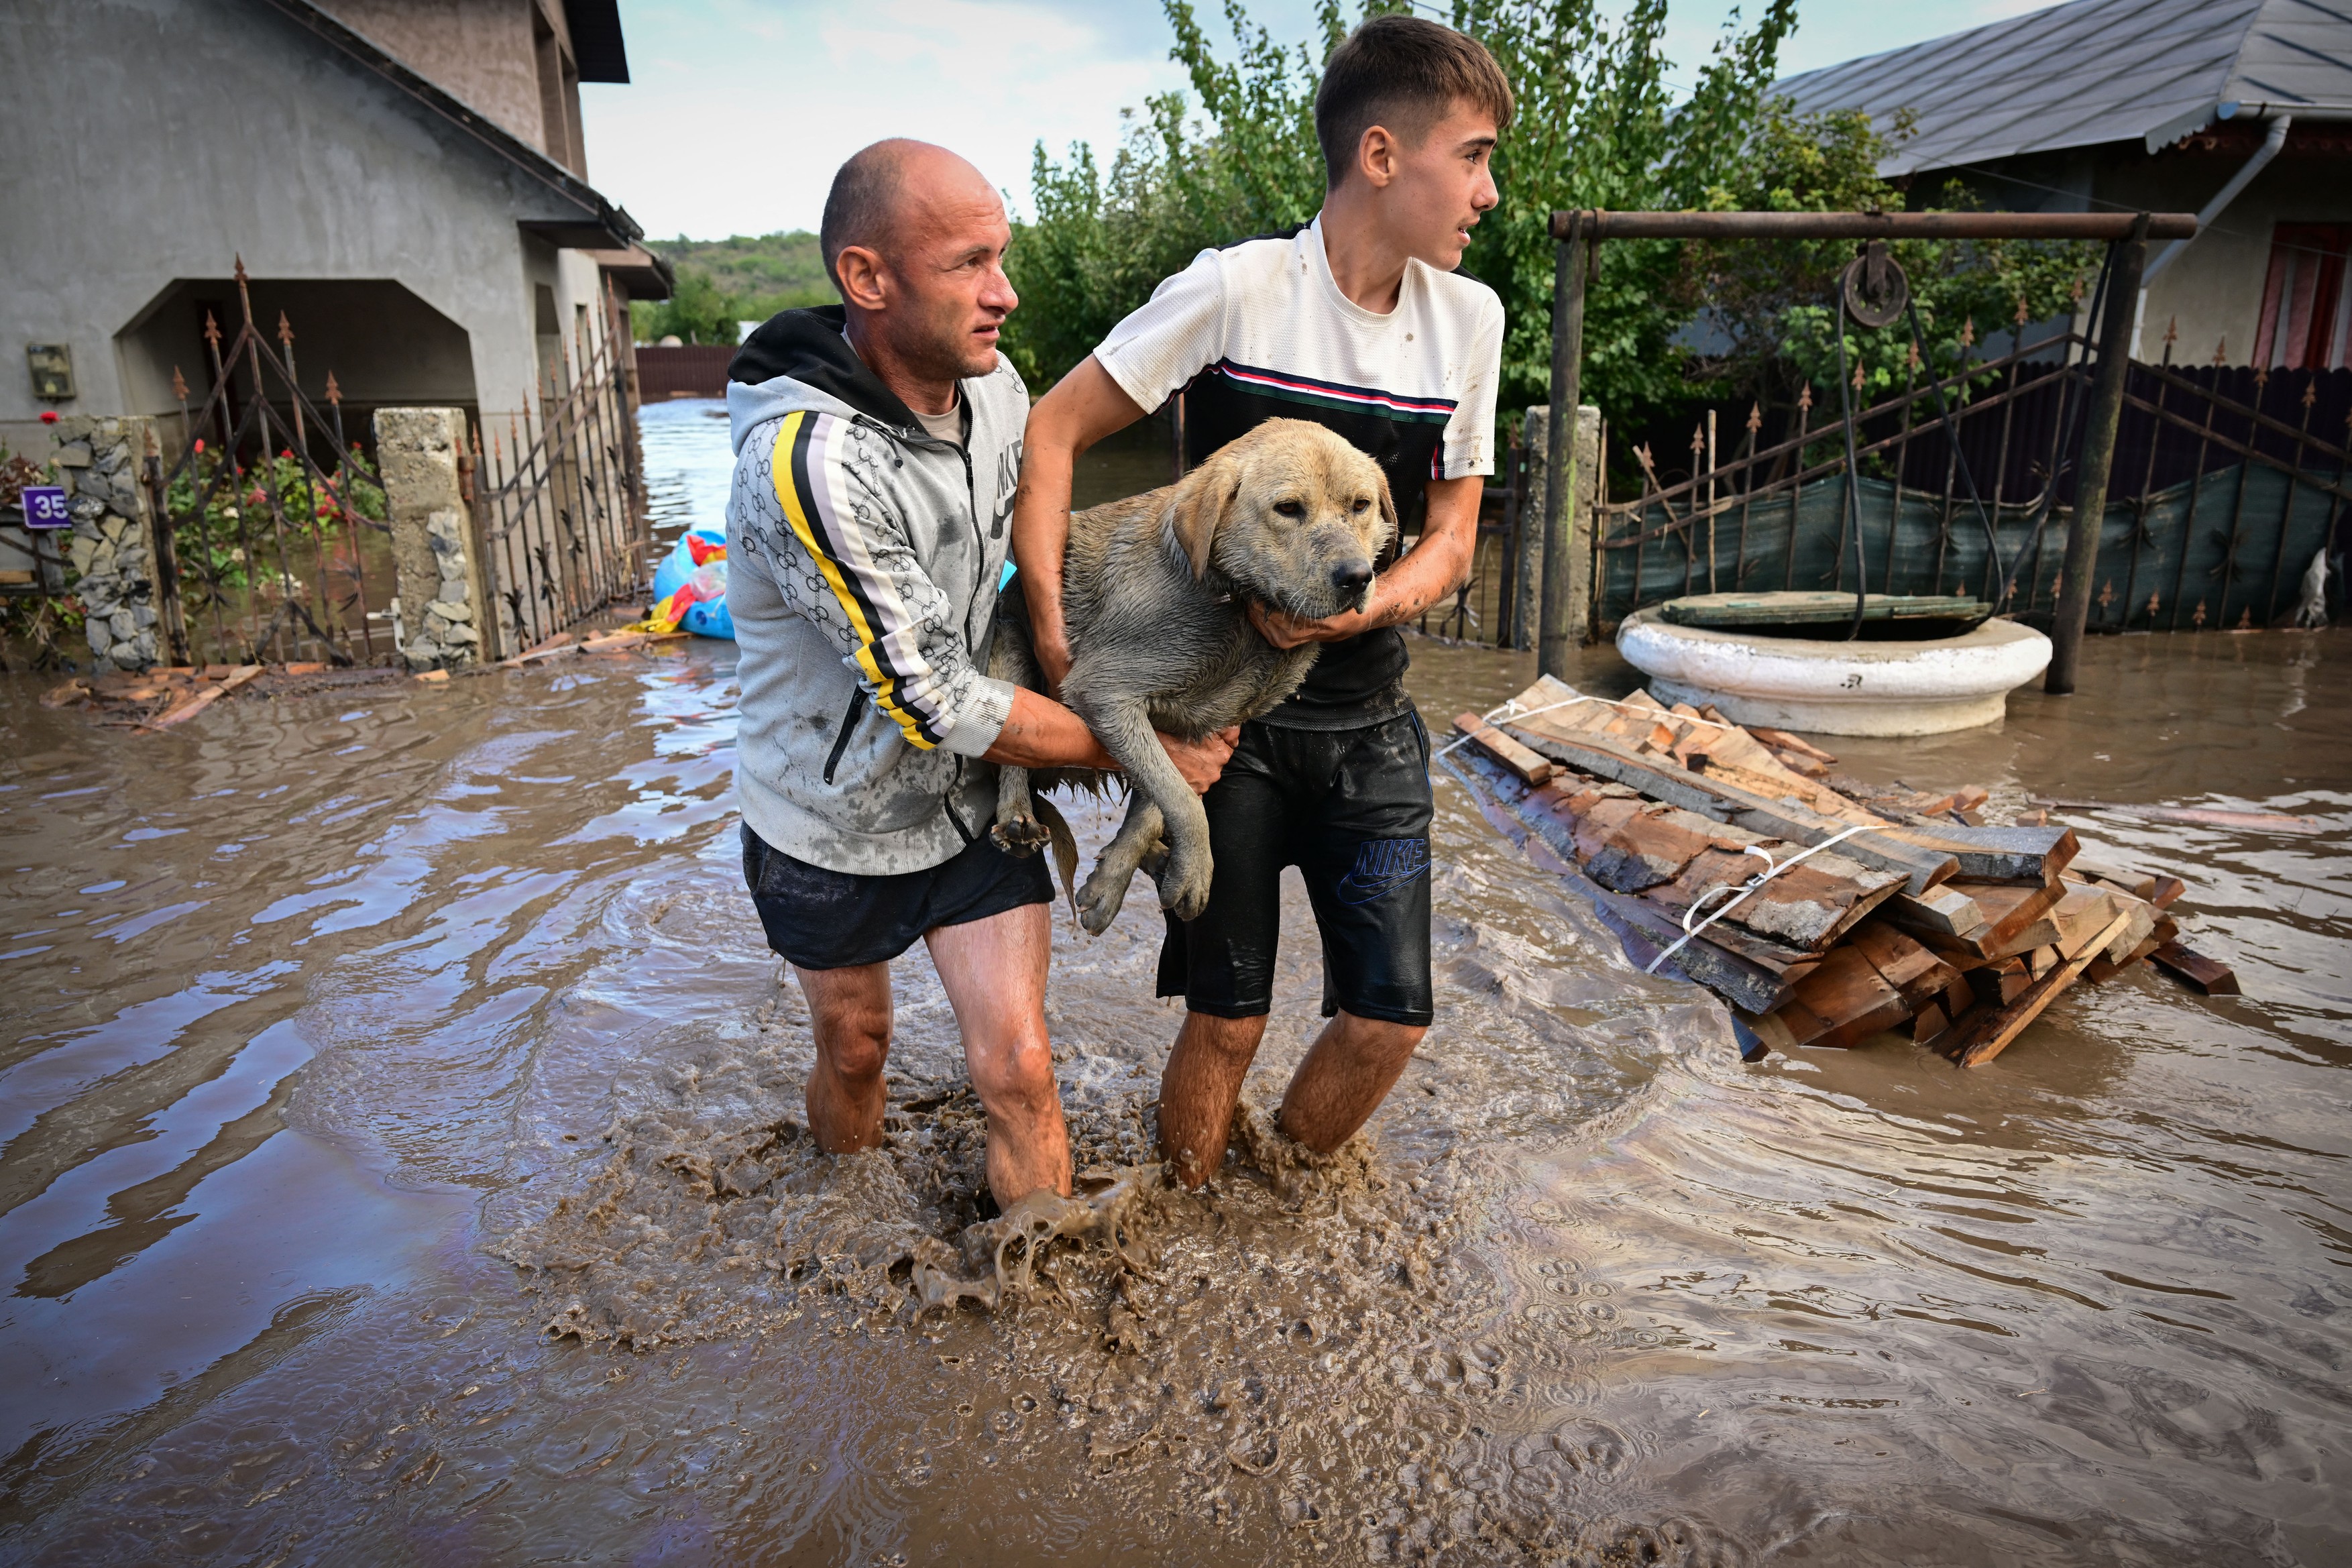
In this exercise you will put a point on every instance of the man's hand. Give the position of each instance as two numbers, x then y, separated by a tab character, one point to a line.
1202	761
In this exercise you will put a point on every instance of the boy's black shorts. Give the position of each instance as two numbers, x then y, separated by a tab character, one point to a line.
818	919
1351	808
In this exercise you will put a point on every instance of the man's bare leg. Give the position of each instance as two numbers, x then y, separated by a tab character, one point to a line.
995	973
849	1013
1200	1087
1348	1070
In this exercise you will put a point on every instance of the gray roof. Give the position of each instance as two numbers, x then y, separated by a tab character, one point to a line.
2095	71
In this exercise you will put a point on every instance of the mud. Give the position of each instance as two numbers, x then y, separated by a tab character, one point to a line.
320	1013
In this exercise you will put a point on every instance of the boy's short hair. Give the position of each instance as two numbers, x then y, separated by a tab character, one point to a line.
1405	73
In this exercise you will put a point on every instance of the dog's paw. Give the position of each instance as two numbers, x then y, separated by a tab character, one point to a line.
1184	885
1019	836
1099	900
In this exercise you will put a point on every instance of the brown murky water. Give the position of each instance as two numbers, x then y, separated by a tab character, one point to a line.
318	1015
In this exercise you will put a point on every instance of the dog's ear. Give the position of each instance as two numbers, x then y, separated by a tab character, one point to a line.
1387	518
1203	499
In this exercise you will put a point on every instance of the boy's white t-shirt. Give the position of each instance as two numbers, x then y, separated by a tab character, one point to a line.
1268	314
1259	331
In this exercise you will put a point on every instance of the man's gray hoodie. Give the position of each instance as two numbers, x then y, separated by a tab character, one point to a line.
863	562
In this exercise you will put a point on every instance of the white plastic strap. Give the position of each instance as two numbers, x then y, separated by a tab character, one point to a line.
1753	883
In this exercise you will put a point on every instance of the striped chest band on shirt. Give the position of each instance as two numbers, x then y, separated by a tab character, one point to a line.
1317	393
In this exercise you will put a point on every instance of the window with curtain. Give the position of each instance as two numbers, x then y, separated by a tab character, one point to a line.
2305	303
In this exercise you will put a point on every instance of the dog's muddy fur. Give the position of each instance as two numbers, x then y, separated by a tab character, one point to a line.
1155	596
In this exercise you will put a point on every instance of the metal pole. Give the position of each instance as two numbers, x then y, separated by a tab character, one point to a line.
1559	473
2105	411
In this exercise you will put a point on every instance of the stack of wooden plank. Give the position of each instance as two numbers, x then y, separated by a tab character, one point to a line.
1825	917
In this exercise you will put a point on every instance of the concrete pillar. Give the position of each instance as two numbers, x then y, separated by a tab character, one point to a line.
1528	583
102	465
441	621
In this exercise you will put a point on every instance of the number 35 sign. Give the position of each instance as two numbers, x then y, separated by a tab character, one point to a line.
44	507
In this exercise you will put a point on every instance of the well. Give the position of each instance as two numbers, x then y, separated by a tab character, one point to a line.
1885	686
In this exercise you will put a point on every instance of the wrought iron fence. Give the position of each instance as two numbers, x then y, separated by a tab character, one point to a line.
262	551
2236	480
558	504
1480	610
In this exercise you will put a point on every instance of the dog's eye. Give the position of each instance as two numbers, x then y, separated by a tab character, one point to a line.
1362	505
1290	508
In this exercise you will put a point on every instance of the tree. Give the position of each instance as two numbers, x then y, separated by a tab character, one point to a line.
1598	125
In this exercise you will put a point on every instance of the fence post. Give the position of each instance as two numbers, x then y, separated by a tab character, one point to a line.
2104	413
1573	231
1583	518
103	464
441	616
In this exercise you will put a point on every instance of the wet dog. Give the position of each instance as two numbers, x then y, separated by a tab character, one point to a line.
1155	592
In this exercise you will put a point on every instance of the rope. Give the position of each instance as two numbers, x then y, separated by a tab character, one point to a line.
1753	883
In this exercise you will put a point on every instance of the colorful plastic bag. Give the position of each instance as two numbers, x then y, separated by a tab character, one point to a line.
690	587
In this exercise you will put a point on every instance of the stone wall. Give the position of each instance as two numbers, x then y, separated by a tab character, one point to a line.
437	578
102	463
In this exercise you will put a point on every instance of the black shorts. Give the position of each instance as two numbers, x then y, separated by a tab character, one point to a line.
818	919
1351	808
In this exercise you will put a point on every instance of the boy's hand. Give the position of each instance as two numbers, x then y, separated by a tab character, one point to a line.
1052	651
1285	630
1202	761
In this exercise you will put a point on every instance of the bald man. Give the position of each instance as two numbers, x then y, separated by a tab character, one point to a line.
878	446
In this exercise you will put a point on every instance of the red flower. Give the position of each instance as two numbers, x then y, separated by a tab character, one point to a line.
200	446
286	453
48	415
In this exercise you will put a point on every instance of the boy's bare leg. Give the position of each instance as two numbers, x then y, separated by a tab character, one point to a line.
849	1013
1348	1070
994	973
1200	1087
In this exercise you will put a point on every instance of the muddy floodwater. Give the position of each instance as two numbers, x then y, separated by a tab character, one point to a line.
402	1161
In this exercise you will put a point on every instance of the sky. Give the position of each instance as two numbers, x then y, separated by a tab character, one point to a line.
738	111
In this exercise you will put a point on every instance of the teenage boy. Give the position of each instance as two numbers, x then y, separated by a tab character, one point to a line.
1360	323
877	445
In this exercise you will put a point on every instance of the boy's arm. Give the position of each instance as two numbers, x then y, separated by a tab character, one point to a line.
1437	565
1084	406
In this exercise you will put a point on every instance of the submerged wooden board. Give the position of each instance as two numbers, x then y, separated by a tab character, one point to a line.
2209	975
1988	1034
1799	608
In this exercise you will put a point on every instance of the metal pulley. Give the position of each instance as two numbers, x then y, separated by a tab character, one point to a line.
1874	288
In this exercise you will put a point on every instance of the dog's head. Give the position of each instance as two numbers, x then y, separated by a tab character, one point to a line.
1291	514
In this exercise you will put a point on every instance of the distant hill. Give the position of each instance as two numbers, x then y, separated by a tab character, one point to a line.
720	282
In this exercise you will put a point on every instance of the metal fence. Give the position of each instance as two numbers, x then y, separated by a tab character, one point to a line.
263	549
1480	610
559	511
2226	481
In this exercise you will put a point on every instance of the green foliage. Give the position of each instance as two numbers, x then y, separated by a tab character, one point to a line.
723	282
1767	308
234	541
1598	125
40	628
1096	245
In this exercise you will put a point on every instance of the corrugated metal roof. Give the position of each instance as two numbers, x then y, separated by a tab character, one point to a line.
2095	71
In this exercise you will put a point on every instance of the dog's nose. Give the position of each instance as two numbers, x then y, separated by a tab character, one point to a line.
1350	575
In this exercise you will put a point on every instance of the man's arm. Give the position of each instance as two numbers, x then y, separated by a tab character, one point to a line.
1437	565
1042	733
1084	406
